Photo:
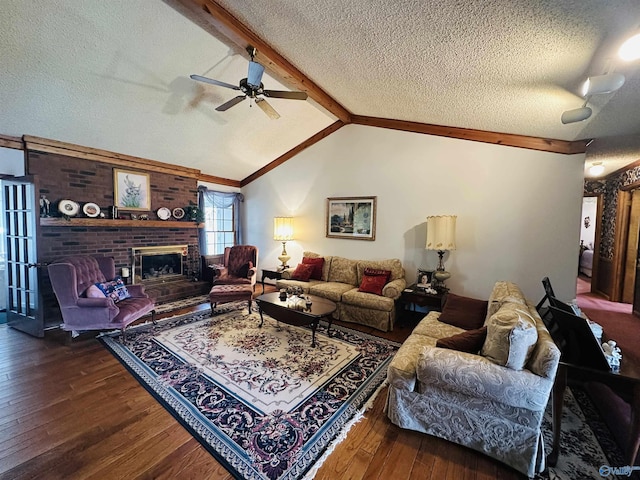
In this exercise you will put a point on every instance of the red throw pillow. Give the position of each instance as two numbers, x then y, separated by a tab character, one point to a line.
464	312
317	263
470	341
302	272
374	280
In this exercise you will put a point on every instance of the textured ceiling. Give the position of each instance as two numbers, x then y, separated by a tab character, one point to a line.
114	75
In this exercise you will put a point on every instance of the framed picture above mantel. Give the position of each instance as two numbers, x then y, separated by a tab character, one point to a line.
131	190
351	217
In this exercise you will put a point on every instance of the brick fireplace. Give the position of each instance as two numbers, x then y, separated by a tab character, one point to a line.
60	176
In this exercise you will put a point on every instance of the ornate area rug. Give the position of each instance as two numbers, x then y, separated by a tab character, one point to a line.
263	401
584	440
183	303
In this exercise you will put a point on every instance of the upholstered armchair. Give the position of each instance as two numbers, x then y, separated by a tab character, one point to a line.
240	266
85	306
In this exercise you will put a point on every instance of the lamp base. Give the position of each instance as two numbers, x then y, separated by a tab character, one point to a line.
284	259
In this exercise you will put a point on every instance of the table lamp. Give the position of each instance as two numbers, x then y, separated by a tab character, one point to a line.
441	236
283	231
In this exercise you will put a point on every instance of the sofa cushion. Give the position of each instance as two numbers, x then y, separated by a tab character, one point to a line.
402	369
368	300
430	326
331	290
393	265
343	270
303	272
374	280
470	341
504	292
114	289
464	312
511	336
297	283
317	264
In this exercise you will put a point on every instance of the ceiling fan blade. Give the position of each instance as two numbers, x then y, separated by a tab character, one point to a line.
268	109
200	78
255	74
231	103
284	94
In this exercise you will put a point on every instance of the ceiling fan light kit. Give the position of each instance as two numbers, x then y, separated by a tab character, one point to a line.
252	87
600	84
596	169
576	115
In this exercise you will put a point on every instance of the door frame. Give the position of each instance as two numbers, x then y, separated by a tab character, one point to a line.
621	236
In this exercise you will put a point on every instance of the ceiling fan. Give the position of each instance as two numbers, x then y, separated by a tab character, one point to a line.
252	87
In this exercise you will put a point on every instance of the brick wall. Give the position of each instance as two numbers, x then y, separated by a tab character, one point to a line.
61	177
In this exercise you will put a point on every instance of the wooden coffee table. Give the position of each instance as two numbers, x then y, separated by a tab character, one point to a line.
271	304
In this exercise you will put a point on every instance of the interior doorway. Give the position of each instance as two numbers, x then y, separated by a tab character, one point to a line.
590	239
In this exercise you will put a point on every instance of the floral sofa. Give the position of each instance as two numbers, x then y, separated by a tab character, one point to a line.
481	380
341	280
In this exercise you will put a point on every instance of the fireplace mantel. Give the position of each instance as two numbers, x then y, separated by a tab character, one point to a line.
107	222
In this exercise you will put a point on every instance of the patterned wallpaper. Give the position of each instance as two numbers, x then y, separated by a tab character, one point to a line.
609	188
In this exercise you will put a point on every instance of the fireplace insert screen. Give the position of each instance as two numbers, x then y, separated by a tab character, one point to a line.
154	266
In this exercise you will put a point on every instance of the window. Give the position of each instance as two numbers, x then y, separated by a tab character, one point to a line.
219	228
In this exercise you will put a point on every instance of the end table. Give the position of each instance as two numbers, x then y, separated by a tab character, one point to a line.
274	273
412	296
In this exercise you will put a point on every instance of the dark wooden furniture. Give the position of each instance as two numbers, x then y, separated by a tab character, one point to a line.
583	360
273	273
320	308
412	296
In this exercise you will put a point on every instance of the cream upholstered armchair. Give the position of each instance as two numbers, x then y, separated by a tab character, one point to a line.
240	266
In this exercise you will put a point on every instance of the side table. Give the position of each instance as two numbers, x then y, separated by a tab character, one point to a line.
412	296
274	273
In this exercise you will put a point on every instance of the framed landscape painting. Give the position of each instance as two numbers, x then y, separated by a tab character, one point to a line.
131	190
351	217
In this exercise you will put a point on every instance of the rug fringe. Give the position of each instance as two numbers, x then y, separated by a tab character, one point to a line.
343	434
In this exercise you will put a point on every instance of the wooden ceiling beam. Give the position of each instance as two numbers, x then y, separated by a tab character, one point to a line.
208	13
293	152
497	138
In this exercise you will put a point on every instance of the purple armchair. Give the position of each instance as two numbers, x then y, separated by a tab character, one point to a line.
71	278
240	266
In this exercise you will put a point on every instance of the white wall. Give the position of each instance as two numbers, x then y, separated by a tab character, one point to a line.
518	210
11	161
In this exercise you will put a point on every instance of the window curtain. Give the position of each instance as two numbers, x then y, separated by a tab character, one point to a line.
220	200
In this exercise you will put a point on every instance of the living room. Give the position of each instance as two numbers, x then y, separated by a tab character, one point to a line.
518	208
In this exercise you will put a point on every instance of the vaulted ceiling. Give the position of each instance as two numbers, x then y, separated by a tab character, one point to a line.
115	75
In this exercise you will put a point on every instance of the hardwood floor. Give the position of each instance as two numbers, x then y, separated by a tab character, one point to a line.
70	410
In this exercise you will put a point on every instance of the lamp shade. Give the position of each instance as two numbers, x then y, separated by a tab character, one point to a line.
441	232
283	228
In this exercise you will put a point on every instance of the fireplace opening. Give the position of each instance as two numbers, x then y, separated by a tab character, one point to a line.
154	266
164	263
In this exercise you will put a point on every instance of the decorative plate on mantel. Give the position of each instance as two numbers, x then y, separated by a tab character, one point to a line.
164	213
91	210
68	208
178	213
